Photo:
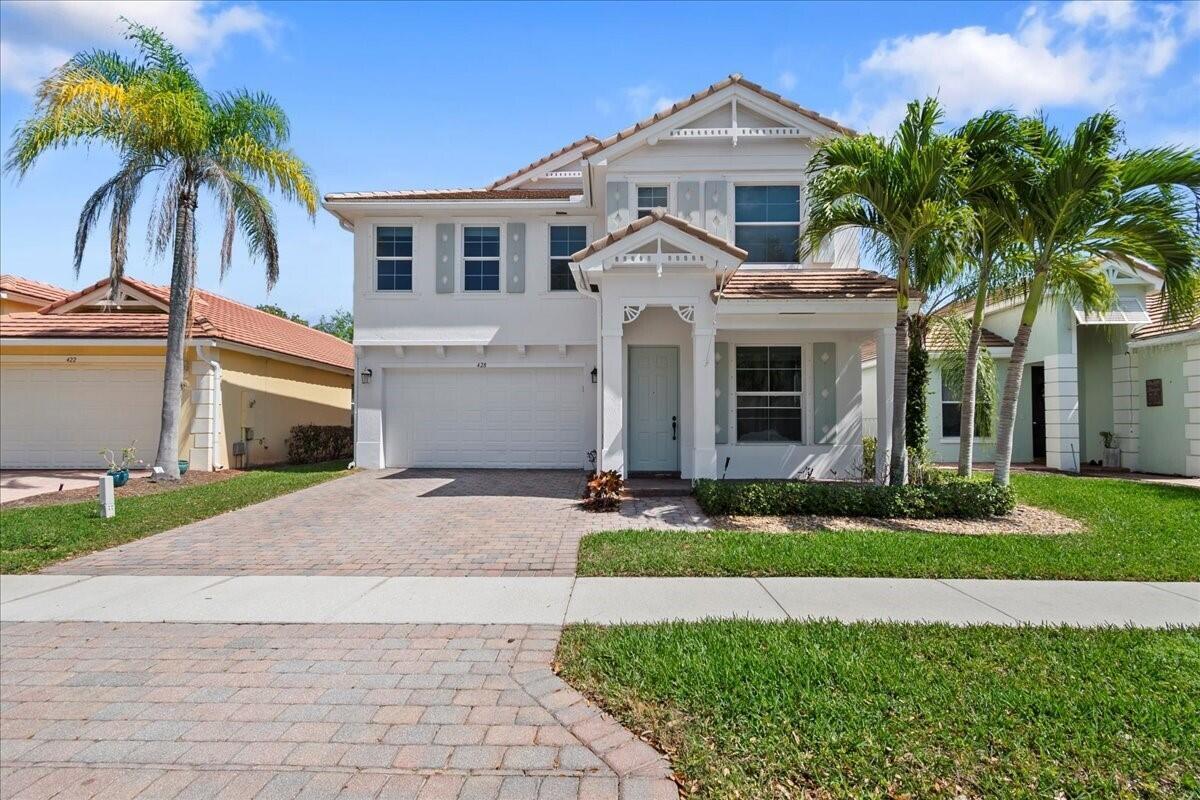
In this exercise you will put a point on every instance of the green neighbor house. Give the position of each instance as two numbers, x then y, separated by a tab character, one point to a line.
1129	371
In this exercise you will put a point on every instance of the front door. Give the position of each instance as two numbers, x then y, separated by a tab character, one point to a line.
1037	376
653	399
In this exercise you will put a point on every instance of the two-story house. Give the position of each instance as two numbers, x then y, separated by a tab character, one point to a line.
636	302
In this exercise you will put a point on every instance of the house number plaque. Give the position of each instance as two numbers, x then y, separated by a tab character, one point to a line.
1154	395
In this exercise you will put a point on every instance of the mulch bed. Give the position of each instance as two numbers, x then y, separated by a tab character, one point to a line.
1025	520
135	488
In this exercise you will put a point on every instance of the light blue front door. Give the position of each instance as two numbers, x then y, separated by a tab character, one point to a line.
653	409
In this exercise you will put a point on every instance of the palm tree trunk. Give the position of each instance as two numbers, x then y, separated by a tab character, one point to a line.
1012	381
898	470
966	425
182	278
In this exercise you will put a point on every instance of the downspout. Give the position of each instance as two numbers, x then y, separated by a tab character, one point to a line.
214	427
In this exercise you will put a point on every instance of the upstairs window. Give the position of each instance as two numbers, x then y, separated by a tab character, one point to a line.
564	240
767	223
393	259
769	399
481	259
650	198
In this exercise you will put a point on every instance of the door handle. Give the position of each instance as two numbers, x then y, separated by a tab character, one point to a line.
674	424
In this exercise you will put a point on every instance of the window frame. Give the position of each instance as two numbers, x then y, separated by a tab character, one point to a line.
550	258
800	394
501	227
943	402
376	258
799	224
638	208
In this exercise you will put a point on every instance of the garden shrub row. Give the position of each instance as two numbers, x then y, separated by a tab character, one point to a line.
312	444
948	497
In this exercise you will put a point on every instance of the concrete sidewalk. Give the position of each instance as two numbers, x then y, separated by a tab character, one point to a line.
557	601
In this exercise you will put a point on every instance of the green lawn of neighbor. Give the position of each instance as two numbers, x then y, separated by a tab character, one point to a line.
33	537
1135	531
827	710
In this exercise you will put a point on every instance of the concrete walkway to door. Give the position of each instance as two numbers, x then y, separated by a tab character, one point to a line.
418	522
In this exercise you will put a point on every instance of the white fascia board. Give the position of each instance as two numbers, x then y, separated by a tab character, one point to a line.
550	166
1165	340
348	209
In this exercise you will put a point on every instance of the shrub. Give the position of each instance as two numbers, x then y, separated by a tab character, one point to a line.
603	491
946	497
309	444
868	465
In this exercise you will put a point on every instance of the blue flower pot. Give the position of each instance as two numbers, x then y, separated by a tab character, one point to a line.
183	466
120	477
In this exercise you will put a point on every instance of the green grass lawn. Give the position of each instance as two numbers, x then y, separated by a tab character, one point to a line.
826	710
31	538
1136	531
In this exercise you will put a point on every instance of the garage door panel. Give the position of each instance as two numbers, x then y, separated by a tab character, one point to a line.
62	416
500	417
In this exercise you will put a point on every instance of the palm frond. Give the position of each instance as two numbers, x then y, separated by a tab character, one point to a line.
282	169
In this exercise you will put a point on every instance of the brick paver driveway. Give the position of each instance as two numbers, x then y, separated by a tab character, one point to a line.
405	522
164	711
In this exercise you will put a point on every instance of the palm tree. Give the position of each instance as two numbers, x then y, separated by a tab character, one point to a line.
162	122
903	194
1081	203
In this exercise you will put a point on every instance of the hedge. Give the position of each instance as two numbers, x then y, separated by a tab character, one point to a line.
310	444
948	497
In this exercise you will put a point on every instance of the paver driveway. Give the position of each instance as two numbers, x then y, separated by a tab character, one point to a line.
394	523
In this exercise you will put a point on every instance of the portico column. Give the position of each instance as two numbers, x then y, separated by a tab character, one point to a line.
612	444
885	367
704	398
1062	411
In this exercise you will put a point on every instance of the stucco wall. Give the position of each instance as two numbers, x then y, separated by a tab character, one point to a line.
1096	347
9	305
1163	447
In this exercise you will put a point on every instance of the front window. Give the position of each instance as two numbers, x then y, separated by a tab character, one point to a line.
768	394
393	259
481	259
767	223
651	198
952	414
564	240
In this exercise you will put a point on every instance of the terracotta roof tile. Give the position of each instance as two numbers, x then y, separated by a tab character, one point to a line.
939	339
658	215
213	316
460	194
1159	324
31	288
575	145
854	284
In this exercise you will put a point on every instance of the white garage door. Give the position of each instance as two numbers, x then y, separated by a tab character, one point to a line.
493	417
62	416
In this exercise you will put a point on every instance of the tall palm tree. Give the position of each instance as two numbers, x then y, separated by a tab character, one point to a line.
1082	202
903	194
153	111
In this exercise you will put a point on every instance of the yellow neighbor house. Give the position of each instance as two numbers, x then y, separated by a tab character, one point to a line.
21	294
84	373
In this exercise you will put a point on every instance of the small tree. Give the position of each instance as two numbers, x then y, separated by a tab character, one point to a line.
340	324
278	311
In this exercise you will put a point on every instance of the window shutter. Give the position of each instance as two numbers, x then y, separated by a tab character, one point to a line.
617	205
444	252
687	200
722	390
716	208
516	256
825	393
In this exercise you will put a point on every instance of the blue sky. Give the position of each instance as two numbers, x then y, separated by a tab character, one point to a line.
391	95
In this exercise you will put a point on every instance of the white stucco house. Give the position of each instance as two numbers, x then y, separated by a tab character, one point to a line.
1131	372
631	303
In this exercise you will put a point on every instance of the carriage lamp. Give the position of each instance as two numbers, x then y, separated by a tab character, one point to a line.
365	376
594	374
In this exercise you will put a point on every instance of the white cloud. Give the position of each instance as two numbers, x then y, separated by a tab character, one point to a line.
37	29
1048	61
787	80
646	99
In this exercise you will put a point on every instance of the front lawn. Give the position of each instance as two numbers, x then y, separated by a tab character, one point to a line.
1135	531
32	538
826	710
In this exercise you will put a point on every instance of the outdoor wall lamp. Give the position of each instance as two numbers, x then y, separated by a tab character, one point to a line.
594	374
366	376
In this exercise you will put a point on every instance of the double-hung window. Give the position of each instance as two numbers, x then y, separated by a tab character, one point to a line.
769	398
564	240
952	414
767	223
650	198
393	259
481	258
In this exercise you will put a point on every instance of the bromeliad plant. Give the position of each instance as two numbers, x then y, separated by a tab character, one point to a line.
603	491
153	111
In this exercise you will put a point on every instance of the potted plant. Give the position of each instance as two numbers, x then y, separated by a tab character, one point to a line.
1112	453
183	466
118	468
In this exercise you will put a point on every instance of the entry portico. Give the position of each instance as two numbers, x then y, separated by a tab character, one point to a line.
766	380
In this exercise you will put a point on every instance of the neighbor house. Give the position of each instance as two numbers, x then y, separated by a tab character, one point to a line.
1130	372
85	373
21	294
634	303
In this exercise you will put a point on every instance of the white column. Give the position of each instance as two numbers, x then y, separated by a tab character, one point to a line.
1126	406
202	437
1062	411
704	392
885	368
368	409
1191	405
612	377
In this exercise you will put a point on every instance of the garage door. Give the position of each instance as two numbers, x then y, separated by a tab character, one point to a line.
62	416
494	417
